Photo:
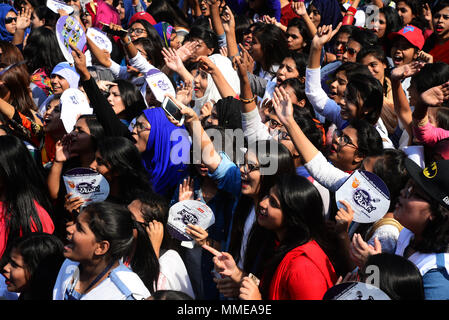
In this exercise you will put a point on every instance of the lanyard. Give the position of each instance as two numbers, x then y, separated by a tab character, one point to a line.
109	266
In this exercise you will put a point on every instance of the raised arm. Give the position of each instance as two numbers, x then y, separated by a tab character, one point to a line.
224	88
300	9
401	103
228	21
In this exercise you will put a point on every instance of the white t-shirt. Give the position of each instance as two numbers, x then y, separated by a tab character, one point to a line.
173	274
121	284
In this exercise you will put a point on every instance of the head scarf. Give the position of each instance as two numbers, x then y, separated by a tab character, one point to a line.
130	11
211	93
229	113
329	10
68	72
165	31
4	34
165	160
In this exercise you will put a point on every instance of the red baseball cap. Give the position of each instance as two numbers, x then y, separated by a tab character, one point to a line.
412	34
142	16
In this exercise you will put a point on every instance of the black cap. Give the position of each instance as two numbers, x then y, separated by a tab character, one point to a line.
433	180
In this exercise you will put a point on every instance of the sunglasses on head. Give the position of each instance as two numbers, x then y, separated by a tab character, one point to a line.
9	20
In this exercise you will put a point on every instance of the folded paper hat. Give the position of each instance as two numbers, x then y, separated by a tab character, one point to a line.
73	104
159	84
433	180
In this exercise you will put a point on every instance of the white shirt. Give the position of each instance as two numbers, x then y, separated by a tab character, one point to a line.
121	284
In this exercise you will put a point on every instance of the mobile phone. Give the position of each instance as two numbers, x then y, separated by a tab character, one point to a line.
108	30
173	110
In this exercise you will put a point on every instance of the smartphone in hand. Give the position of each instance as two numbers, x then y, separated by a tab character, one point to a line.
173	110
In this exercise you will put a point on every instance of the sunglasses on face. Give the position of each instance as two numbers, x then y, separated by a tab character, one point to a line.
9	20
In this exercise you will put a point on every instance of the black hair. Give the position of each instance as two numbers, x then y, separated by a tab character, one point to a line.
308	126
43	256
303	221
43	12
132	98
377	52
273	43
228	113
242	24
170	295
22	184
398	277
392	19
123	159
364	37
34	3
167	11
264	150
370	92
113	223
442	118
96	129
368	139
352	69
303	30
431	75
206	34
152	33
390	167
300	60
153	50
416	7
42	50
300	92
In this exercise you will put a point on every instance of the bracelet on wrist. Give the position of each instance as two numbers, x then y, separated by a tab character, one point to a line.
248	100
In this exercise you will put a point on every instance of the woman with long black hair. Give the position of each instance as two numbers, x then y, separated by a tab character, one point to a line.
25	205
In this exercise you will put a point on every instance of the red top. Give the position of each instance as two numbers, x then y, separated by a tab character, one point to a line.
440	52
47	224
287	14
305	273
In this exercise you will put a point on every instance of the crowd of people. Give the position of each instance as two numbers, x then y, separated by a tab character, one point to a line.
281	102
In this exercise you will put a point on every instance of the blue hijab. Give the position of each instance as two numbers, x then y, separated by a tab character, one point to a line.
329	10
165	174
4	34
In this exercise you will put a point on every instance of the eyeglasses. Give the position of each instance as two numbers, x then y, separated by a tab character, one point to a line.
343	139
9	20
274	124
343	47
249	167
139	126
137	31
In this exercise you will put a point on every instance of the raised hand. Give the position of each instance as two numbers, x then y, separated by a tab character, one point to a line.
282	105
206	110
73	204
324	35
227	20
206	64
186	50
184	92
172	60
299	8
435	96
186	190
425	57
406	70
79	60
23	19
224	51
